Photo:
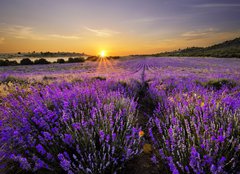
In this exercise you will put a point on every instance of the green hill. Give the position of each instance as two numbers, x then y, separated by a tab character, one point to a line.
229	48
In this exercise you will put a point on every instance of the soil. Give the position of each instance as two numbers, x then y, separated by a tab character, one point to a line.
142	165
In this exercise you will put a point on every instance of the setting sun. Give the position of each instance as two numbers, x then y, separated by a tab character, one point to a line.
103	53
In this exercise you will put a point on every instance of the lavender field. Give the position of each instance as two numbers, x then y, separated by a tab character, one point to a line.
129	115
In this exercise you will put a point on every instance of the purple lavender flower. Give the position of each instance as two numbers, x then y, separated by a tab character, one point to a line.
172	166
47	136
24	163
65	164
154	159
76	126
39	164
220	138
101	134
68	139
40	149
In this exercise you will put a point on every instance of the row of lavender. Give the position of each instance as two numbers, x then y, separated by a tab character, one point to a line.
128	67
91	126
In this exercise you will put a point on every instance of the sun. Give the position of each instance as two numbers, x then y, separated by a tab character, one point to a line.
102	53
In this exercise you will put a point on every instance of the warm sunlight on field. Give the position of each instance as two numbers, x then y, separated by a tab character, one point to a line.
119	87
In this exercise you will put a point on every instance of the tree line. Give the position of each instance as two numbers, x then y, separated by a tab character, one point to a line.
41	61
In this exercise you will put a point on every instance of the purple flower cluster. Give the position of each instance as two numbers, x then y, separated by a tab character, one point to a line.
195	129
89	127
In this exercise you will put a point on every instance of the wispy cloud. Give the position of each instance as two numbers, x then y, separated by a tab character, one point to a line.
216	5
150	19
146	20
20	32
102	32
2	40
198	34
73	37
26	32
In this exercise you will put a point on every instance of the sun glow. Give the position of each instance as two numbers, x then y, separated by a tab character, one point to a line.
102	53
104	63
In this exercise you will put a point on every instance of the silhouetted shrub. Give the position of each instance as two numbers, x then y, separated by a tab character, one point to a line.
8	63
26	61
60	61
13	63
79	59
70	60
3	62
41	61
76	60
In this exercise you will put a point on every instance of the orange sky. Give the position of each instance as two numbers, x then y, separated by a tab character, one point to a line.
116	45
119	28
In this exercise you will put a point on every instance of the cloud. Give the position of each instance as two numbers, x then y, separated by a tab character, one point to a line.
2	40
73	37
216	5
198	34
25	32
102	32
20	32
150	19
146	20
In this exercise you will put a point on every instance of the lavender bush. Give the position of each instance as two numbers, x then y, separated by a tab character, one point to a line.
87	127
194	129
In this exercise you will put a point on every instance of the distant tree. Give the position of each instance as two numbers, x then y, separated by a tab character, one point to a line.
3	63
13	63
70	60
41	61
19	52
76	60
26	61
60	61
79	59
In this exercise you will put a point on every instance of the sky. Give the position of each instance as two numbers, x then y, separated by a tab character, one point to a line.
120	27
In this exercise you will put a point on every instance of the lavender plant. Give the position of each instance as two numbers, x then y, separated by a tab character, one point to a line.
89	127
196	130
